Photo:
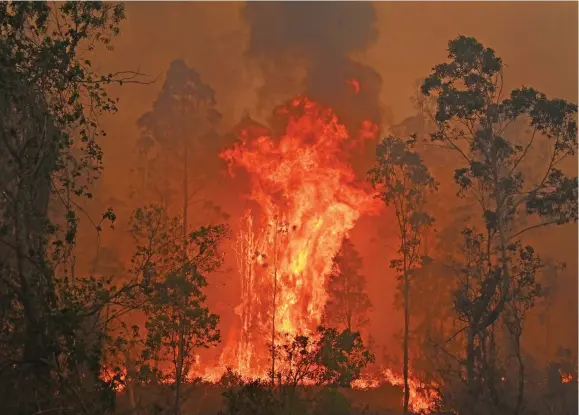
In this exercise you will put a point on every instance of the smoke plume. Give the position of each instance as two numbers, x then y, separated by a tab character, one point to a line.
320	38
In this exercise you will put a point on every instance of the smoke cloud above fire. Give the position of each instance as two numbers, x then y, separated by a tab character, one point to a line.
322	36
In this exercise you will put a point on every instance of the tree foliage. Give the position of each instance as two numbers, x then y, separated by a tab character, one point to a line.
403	182
173	271
51	98
474	119
327	360
331	357
177	134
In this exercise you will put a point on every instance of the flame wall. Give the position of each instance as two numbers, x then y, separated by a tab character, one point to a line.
309	199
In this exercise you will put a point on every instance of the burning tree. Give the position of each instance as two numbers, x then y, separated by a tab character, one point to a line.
477	122
301	179
348	304
404	182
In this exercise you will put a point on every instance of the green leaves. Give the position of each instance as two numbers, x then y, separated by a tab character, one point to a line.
557	200
399	172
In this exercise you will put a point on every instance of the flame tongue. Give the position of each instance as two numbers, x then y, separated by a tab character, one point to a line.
309	200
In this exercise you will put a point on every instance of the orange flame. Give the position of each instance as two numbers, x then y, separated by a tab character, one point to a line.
566	377
354	84
309	198
423	397
108	375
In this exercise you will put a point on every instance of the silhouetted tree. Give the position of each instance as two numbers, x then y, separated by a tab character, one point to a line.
177	321
50	99
330	357
327	359
404	183
475	120
348	304
175	137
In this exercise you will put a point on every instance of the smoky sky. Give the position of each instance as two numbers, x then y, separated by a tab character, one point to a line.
316	28
396	42
324	35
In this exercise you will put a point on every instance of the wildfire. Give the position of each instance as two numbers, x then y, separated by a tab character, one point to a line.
423	397
354	85
566	377
117	378
308	199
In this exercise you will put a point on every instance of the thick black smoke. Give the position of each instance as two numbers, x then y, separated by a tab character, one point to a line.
321	35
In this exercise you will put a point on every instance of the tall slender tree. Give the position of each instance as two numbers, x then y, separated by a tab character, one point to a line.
403	182
174	138
178	321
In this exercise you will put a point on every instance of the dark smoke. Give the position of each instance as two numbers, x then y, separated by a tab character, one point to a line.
322	36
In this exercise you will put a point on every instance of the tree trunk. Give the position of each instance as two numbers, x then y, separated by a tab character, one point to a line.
130	378
179	369
521	392
185	193
406	330
28	190
470	365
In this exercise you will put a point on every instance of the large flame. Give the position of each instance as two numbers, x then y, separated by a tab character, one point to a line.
309	198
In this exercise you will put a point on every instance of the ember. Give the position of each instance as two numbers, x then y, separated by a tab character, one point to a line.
355	85
566	377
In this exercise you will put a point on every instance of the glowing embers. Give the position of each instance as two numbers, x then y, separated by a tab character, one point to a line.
566	377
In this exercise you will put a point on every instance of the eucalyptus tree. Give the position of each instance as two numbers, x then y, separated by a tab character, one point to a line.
404	182
514	191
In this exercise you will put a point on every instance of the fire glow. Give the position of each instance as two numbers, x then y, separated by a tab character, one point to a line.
422	396
309	199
